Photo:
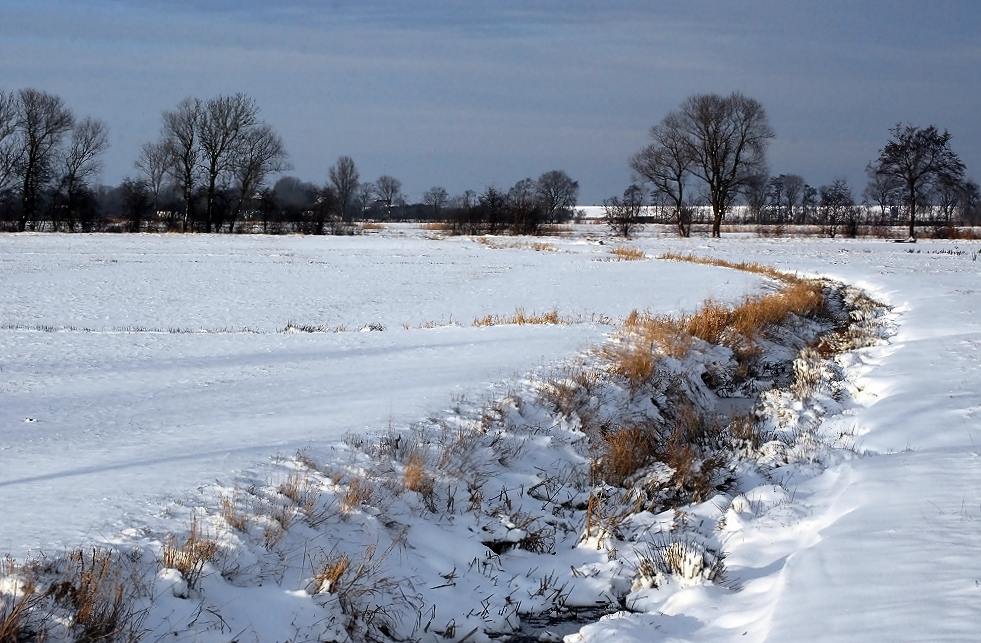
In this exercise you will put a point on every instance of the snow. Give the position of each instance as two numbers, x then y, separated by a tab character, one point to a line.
874	541
112	411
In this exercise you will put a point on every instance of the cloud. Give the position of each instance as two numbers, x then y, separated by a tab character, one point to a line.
450	92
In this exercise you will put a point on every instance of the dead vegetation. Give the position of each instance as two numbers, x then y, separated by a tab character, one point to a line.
622	253
190	556
521	318
87	596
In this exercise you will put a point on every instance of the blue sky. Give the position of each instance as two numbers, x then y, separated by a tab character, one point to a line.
467	94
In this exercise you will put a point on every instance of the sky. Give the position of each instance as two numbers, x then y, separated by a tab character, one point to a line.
466	95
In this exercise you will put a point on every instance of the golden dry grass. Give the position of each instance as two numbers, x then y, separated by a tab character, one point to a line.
521	318
665	333
371	225
623	253
437	226
717	323
633	361
329	573
190	556
416	477
556	229
18	609
745	266
359	492
623	452
541	246
232	516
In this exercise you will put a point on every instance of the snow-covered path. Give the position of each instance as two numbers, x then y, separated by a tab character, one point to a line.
888	549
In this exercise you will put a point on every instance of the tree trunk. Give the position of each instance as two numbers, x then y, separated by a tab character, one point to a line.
912	215
716	221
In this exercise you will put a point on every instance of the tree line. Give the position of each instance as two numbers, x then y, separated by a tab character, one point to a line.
710	154
209	170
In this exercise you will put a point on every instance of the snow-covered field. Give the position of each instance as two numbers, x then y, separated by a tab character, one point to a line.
135	371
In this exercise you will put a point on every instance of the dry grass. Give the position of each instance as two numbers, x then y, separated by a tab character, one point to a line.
99	597
684	559
633	361
745	428
606	513
557	229
569	392
190	557
622	452
416	477
329	572
437	226
19	608
717	323
665	333
496	244
359	492
362	591
297	489
745	266
232	516
90	593
694	449
371	225
623	253
521	318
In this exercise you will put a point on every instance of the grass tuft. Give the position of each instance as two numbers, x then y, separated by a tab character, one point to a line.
623	253
190	556
416	478
521	318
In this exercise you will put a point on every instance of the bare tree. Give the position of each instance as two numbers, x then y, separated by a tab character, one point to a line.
260	152
881	190
224	122
389	190
623	215
9	148
837	208
154	162
344	178
89	140
793	191
525	213
918	159
436	198
43	122
557	194
759	195
180	136
970	206
727	137
492	207
666	164
137	203
364	196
